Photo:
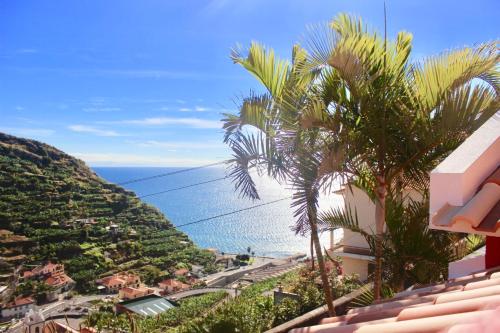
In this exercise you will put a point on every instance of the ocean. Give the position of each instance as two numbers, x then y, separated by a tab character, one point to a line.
267	230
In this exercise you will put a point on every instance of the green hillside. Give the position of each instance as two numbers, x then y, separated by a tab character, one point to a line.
43	191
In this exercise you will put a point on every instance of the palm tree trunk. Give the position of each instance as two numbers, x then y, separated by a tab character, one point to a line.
379	229
321	263
312	252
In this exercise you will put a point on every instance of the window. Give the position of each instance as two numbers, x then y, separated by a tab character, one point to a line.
37	329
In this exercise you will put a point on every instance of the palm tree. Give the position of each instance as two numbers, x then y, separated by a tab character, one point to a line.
412	253
355	107
259	140
387	121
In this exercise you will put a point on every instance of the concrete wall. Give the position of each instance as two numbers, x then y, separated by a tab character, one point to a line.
355	266
472	263
357	201
17	312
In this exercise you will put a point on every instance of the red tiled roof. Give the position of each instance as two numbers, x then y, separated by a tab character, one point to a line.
111	280
181	271
170	282
120	278
58	280
19	301
131	291
136	291
445	307
173	283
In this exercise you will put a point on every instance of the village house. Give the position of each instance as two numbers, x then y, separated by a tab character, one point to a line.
18	307
53	275
171	286
60	282
131	293
44	271
113	283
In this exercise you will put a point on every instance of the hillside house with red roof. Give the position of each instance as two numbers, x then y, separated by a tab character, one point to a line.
18	307
114	283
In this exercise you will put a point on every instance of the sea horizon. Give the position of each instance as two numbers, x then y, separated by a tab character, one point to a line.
267	230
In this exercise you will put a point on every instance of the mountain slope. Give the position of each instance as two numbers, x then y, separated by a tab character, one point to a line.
43	194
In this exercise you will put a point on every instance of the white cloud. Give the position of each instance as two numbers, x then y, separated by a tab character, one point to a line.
101	109
201	109
163	108
184	109
159	121
92	130
181	144
27	132
180	101
113	159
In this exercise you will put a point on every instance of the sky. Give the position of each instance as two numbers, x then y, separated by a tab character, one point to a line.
145	82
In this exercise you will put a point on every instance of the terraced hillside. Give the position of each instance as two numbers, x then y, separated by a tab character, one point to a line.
46	195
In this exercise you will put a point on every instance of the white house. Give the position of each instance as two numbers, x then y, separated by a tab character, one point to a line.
18	307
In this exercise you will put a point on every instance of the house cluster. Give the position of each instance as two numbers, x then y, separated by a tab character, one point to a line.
127	285
53	275
184	280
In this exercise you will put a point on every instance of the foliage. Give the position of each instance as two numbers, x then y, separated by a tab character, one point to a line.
187	310
354	106
412	253
43	191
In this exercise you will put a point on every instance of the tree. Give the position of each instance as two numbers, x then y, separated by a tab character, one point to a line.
412	253
267	148
355	108
386	121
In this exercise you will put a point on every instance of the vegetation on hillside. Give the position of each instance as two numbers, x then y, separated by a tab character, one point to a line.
252	311
43	192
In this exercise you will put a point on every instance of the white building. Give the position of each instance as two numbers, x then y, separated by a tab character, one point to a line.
33	322
18	307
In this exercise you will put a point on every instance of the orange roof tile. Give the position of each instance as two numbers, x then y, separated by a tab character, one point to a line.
445	307
181	271
20	301
58	280
481	212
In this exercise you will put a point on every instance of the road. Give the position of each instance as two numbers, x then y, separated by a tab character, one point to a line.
57	308
258	262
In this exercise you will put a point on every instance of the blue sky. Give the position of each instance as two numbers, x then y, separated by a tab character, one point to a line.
145	82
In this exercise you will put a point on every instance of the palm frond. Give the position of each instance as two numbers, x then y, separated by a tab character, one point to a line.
263	64
440	75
